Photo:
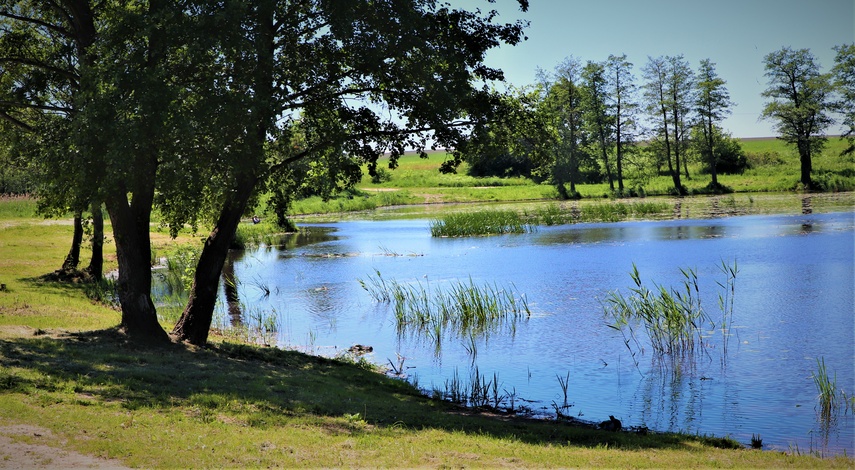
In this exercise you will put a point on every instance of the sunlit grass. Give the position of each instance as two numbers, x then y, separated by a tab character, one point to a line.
486	222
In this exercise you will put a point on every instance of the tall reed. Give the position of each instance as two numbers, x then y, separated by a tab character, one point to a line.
671	319
827	388
463	309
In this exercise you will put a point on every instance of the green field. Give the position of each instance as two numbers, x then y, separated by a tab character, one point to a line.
774	168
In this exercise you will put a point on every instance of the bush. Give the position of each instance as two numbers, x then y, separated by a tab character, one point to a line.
758	159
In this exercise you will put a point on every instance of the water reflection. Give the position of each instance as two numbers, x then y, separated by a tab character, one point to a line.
230	287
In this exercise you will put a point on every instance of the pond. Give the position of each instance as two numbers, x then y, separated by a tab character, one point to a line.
793	305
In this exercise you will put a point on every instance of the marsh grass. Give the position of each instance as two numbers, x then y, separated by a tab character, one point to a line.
672	319
463	310
480	391
486	222
829	394
253	235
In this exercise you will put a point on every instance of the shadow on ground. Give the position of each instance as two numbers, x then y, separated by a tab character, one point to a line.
104	366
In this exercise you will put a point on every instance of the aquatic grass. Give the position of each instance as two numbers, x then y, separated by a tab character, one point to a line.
725	301
486	222
481	391
828	391
672	319
464	310
252	235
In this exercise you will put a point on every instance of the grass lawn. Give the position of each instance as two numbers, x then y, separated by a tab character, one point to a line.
66	371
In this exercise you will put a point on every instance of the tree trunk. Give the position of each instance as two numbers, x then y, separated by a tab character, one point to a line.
133	251
619	147
805	160
711	155
195	321
606	160
96	264
73	257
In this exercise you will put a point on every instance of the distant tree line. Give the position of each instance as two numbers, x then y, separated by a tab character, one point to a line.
599	122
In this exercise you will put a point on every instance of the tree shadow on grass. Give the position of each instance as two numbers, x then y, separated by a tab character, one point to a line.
276	385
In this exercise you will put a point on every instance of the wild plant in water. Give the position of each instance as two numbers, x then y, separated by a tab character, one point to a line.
828	392
671	318
464	310
725	301
488	222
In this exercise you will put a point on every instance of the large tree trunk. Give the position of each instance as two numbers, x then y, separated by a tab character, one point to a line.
96	264
133	251
195	321
73	257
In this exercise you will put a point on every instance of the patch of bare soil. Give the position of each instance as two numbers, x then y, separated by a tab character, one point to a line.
33	454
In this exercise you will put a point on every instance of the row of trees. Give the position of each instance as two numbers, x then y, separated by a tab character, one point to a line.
193	108
584	121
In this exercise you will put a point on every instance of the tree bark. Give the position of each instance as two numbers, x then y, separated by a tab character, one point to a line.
130	223
195	321
96	264
73	257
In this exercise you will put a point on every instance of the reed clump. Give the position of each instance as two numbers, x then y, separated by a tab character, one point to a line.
672	319
464	310
553	214
488	222
830	396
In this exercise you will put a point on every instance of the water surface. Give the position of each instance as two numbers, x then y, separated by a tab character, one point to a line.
794	304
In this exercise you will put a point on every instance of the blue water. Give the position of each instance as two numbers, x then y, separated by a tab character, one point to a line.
794	304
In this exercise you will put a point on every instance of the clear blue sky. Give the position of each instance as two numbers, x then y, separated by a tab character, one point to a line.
734	34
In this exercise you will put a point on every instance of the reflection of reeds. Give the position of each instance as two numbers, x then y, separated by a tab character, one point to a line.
465	310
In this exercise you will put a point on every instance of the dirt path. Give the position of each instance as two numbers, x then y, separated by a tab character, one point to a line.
17	454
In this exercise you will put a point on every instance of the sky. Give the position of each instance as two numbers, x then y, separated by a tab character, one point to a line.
734	34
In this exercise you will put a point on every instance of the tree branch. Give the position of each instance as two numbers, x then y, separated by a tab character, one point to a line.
52	27
16	122
43	107
34	63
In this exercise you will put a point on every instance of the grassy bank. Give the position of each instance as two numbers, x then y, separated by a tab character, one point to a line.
64	368
774	167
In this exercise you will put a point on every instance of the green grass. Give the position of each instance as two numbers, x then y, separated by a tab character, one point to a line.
65	368
775	168
484	222
12	207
